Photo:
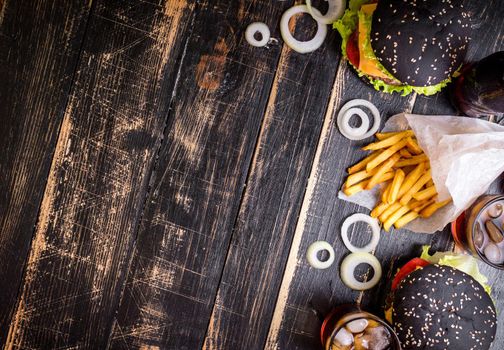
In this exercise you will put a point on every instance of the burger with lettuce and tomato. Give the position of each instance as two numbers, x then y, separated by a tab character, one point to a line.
442	301
405	46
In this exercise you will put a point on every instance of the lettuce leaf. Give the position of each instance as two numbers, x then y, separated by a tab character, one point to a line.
347	24
464	263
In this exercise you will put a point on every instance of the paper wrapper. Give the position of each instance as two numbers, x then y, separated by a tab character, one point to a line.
466	156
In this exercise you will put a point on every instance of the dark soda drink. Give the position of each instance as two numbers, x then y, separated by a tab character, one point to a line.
480	230
479	90
348	327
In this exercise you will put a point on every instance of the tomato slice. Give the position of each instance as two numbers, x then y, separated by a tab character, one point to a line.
410	266
352	49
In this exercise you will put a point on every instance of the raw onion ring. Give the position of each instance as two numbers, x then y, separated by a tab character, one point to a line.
314	249
375	229
363	128
335	11
257	27
293	43
350	132
351	262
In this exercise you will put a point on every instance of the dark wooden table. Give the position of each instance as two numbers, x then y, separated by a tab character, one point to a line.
160	179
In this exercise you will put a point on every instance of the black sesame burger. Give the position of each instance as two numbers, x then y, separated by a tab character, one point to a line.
436	305
405	45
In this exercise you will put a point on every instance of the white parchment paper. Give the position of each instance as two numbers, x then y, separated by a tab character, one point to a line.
466	156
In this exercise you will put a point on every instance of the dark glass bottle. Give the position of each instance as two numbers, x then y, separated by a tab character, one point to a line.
479	90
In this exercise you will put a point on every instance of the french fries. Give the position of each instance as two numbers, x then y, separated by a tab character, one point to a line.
415	188
385	194
413	146
399	162
395	186
414	160
382	170
386	154
425	194
389	211
412	215
362	164
383	135
379	209
431	209
361	186
357	177
395	216
423	204
411	178
405	153
390	141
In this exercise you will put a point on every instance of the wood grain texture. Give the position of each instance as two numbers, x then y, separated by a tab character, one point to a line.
39	49
306	294
198	182
96	189
272	200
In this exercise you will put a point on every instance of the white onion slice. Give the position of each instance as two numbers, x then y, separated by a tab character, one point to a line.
257	27
343	119
351	262
375	230
335	11
301	46
314	249
363	128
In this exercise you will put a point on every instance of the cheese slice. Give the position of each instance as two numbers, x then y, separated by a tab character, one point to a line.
368	65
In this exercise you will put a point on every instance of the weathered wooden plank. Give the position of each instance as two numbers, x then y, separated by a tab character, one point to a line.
198	182
273	197
109	137
306	294
39	49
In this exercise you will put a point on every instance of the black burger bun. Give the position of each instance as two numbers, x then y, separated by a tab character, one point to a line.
420	42
439	307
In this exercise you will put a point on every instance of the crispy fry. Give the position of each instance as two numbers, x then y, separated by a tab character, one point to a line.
379	209
415	204
384	168
395	186
389	211
383	135
389	175
354	178
361	186
429	192
405	153
385	193
362	164
390	141
430	183
413	146
411	178
394	217
424	204
412	215
415	188
412	161
431	209
386	154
